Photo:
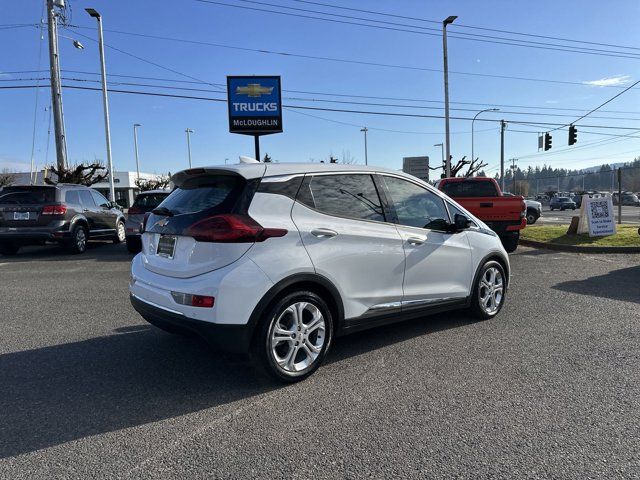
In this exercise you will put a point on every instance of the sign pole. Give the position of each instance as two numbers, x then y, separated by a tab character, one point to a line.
256	139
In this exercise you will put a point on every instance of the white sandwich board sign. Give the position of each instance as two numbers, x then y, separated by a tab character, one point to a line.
596	216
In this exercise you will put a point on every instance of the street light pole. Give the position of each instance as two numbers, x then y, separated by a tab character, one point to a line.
473	121
365	130
189	131
135	144
447	21
441	145
105	101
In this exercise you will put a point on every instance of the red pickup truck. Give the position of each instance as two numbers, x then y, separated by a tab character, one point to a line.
505	215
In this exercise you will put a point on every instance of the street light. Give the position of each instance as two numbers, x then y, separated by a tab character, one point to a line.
189	131
107	131
135	144
447	21
365	130
472	122
441	145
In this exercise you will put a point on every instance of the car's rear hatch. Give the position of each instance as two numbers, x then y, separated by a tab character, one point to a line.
21	206
198	228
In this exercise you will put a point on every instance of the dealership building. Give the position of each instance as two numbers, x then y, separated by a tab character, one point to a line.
124	183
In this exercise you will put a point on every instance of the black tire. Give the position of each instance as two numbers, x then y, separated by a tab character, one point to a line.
9	248
262	352
78	242
532	217
476	308
510	242
119	236
134	244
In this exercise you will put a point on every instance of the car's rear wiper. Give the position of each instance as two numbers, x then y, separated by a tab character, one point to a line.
162	211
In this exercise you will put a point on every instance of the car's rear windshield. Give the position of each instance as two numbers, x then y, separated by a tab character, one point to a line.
563	199
471	188
212	192
27	195
149	201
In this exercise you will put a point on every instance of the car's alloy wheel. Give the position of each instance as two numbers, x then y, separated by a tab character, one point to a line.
297	336
120	233
531	219
79	240
491	290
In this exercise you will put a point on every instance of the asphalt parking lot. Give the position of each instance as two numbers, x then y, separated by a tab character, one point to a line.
548	389
630	215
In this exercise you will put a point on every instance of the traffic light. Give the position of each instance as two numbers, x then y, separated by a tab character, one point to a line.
573	134
547	141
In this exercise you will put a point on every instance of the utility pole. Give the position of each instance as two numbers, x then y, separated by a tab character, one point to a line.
56	88
105	102
365	130
619	196
502	127
188	131
447	21
135	144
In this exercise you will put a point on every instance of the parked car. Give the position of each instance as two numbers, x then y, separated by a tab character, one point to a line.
278	259
562	203
65	214
144	202
534	208
628	199
482	196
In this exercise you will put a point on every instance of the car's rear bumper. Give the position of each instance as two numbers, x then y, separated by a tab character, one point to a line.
32	235
232	338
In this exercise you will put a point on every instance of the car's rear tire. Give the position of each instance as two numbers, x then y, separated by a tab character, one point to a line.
120	234
293	337
532	217
9	248
78	242
134	244
510	241
489	291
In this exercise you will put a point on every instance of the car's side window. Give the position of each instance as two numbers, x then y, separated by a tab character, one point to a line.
344	195
71	197
99	199
86	199
415	205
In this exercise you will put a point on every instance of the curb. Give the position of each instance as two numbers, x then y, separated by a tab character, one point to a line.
578	248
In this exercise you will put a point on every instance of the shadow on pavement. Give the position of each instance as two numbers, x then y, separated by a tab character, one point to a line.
619	284
139	375
97	251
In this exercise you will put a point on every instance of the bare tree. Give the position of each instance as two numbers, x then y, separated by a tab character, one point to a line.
82	174
473	167
347	158
267	158
6	178
159	183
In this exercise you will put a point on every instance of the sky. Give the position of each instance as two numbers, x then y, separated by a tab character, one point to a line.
311	135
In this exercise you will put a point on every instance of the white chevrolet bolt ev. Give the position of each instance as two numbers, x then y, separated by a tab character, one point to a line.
278	259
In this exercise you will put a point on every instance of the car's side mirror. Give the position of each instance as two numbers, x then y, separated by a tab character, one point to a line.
461	222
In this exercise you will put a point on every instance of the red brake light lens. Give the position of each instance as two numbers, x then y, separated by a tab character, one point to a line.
54	210
135	210
231	228
202	301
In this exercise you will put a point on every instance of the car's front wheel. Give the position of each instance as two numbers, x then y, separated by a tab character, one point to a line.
532	217
489	291
120	235
293	337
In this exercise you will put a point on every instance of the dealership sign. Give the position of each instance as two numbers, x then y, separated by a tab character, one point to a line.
255	105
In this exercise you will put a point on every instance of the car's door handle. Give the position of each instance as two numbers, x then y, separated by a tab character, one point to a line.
416	241
323	233
486	204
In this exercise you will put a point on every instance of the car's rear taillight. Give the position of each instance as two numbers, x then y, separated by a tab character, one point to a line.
143	225
202	301
135	210
54	210
231	228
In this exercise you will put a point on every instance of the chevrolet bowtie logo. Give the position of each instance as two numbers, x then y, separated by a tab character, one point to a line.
254	90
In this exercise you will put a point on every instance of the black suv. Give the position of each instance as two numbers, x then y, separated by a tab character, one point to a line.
65	213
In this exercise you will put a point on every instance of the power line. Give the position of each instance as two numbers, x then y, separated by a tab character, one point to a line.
421	31
467	26
338	110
